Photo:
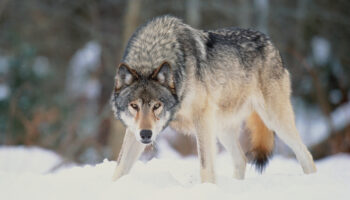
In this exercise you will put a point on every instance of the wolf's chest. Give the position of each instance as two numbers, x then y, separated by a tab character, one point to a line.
182	123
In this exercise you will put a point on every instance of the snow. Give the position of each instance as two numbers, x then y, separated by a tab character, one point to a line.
23	160
24	175
4	91
41	66
84	63
321	50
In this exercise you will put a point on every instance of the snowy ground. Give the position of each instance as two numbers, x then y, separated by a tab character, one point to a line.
24	175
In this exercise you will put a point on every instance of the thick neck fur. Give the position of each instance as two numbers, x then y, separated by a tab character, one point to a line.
166	39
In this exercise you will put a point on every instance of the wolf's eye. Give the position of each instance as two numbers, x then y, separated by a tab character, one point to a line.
134	106
156	106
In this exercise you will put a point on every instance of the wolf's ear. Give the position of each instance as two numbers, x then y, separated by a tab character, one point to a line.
125	76
164	75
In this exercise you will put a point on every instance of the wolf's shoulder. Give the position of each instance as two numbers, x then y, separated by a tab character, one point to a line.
238	37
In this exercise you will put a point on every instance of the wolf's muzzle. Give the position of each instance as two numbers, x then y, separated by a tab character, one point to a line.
146	136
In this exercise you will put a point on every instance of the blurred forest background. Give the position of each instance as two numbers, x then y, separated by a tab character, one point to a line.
58	60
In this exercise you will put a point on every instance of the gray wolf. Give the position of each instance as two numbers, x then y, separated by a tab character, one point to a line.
206	83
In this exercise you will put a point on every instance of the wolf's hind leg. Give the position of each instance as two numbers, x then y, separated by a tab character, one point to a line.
229	139
129	153
278	115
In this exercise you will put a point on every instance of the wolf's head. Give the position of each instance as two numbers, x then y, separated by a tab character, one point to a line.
150	80
144	103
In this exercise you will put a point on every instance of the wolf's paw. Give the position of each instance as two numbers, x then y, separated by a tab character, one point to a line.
239	172
239	176
310	169
117	174
207	176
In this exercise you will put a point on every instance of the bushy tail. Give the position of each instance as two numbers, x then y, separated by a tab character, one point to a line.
259	142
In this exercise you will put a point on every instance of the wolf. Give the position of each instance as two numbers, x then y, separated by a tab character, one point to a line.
206	83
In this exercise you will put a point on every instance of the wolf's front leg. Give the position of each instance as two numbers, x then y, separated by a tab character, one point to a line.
129	153
206	147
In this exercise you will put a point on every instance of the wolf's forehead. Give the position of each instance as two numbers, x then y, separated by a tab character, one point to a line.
146	93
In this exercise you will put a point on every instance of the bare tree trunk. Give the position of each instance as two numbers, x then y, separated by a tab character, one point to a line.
244	14
335	143
131	22
131	19
3	5
193	15
262	15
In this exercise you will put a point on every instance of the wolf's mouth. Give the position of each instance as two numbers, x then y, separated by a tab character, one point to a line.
146	141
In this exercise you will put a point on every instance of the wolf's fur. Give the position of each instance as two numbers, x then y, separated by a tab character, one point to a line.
260	141
206	83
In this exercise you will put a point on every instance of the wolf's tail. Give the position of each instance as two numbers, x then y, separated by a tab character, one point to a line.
259	142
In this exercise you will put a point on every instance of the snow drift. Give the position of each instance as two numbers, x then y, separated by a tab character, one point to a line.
24	174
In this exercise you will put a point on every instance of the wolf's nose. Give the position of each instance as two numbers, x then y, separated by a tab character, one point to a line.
146	136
